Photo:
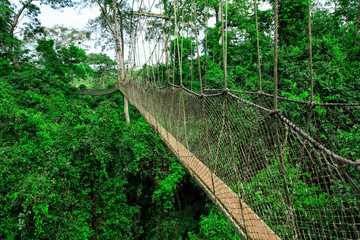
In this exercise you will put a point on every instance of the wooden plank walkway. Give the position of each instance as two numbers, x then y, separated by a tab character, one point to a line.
240	213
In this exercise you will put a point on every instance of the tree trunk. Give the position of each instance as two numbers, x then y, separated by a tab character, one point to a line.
122	37
166	50
357	23
216	10
12	30
103	79
121	61
16	64
126	110
11	56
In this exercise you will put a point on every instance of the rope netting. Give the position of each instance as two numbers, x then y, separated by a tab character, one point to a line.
298	190
278	166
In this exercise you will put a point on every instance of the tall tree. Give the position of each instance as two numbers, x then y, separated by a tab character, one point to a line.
111	17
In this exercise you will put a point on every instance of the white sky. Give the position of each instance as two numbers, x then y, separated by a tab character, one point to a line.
68	17
71	17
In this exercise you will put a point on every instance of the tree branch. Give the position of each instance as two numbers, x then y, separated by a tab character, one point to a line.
17	16
106	15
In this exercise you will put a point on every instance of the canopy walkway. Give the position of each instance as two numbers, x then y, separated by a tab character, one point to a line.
268	176
278	167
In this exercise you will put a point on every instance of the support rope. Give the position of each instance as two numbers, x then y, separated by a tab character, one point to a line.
264	147
310	54
276	54
257	42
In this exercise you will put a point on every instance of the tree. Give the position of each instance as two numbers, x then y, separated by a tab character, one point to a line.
62	36
102	64
9	44
65	62
111	19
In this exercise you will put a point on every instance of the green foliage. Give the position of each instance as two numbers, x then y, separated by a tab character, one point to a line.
104	69
66	63
58	179
214	226
312	205
164	195
71	166
72	169
11	46
66	37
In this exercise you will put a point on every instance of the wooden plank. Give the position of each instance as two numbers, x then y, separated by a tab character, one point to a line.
239	211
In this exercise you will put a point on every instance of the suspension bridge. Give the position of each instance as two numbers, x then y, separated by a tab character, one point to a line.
274	165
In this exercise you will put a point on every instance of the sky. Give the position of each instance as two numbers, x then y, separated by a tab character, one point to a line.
68	17
71	17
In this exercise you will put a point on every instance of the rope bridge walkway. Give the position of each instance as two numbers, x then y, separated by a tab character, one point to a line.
269	177
278	167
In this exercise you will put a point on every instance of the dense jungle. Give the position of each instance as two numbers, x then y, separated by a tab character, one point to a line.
70	165
71	168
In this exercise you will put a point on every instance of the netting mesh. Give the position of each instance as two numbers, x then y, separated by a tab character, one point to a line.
282	186
278	167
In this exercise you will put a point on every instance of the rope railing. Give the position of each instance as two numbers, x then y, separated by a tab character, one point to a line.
256	164
278	166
